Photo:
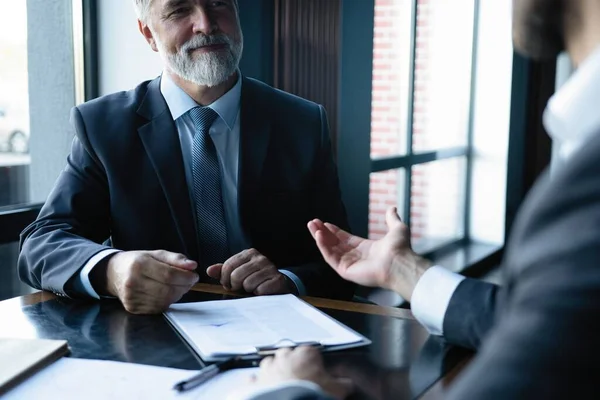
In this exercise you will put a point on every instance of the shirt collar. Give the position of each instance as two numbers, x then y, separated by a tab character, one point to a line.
572	112
179	102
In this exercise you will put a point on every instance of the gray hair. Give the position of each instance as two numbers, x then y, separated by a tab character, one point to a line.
142	8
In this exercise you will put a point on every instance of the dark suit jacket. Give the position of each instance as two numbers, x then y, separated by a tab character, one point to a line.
539	334
125	181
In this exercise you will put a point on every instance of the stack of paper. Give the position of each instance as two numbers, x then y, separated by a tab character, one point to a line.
76	379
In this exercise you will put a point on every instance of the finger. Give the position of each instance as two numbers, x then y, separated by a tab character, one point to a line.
241	273
174	259
268	287
167	274
231	264
266	362
282	353
253	281
391	218
314	226
341	235
310	354
150	297
214	271
327	249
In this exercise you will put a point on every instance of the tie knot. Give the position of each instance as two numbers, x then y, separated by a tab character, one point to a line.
203	117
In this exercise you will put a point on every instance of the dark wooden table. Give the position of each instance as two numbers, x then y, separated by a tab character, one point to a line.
403	362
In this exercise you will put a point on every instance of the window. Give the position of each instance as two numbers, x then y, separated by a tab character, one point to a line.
14	104
440	120
41	76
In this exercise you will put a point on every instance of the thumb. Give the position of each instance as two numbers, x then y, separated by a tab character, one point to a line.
174	259
391	218
214	271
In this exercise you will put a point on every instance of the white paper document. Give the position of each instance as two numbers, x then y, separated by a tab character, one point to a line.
217	329
72	378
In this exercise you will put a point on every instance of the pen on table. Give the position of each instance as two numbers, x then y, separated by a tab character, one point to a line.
211	371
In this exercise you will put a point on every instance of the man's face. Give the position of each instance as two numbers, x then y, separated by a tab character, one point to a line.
199	40
538	30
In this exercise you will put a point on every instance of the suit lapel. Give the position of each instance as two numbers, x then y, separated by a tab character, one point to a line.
255	128
161	141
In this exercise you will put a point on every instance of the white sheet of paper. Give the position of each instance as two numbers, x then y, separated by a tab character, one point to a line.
73	378
226	327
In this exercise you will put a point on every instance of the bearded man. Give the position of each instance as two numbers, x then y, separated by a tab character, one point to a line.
200	174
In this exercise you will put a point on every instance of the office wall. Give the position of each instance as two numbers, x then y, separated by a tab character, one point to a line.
124	57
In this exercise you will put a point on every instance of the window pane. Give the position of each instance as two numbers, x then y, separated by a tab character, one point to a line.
14	104
438	202
442	73
386	189
391	71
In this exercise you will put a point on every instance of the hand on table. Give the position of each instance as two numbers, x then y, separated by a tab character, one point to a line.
389	262
302	363
148	282
251	272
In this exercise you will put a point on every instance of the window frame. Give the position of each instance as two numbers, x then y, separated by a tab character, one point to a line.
532	85
14	218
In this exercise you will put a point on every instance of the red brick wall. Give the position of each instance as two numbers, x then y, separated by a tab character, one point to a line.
391	61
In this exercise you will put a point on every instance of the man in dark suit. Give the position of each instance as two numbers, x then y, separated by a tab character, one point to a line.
537	335
200	171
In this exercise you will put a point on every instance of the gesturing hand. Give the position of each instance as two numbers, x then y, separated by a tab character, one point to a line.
148	282
388	262
252	272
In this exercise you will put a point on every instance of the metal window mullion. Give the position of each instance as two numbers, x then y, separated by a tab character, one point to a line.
384	164
410	115
470	152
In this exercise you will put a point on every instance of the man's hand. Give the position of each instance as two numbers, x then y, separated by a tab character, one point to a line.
388	262
302	363
252	272
148	282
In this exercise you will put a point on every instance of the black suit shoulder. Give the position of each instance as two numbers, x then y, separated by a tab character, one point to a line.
276	98
549	306
124	101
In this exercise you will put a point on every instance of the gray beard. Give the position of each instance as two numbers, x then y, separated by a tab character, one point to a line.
204	69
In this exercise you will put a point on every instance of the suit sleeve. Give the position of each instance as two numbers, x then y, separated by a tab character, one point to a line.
326	203
73	223
544	343
470	313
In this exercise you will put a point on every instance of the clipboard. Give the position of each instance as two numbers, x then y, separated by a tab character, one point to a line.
196	341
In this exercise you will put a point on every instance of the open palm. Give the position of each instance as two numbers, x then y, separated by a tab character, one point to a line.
363	261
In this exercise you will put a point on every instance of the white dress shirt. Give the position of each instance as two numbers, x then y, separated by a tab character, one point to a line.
571	119
225	133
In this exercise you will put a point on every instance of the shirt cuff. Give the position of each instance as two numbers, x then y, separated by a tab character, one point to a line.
84	274
431	297
288	390
299	285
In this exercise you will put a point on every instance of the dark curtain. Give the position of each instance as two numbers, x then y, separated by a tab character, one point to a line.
307	52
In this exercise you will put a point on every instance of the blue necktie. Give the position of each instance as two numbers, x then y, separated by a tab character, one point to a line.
210	216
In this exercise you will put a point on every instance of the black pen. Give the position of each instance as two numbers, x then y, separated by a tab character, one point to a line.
211	371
